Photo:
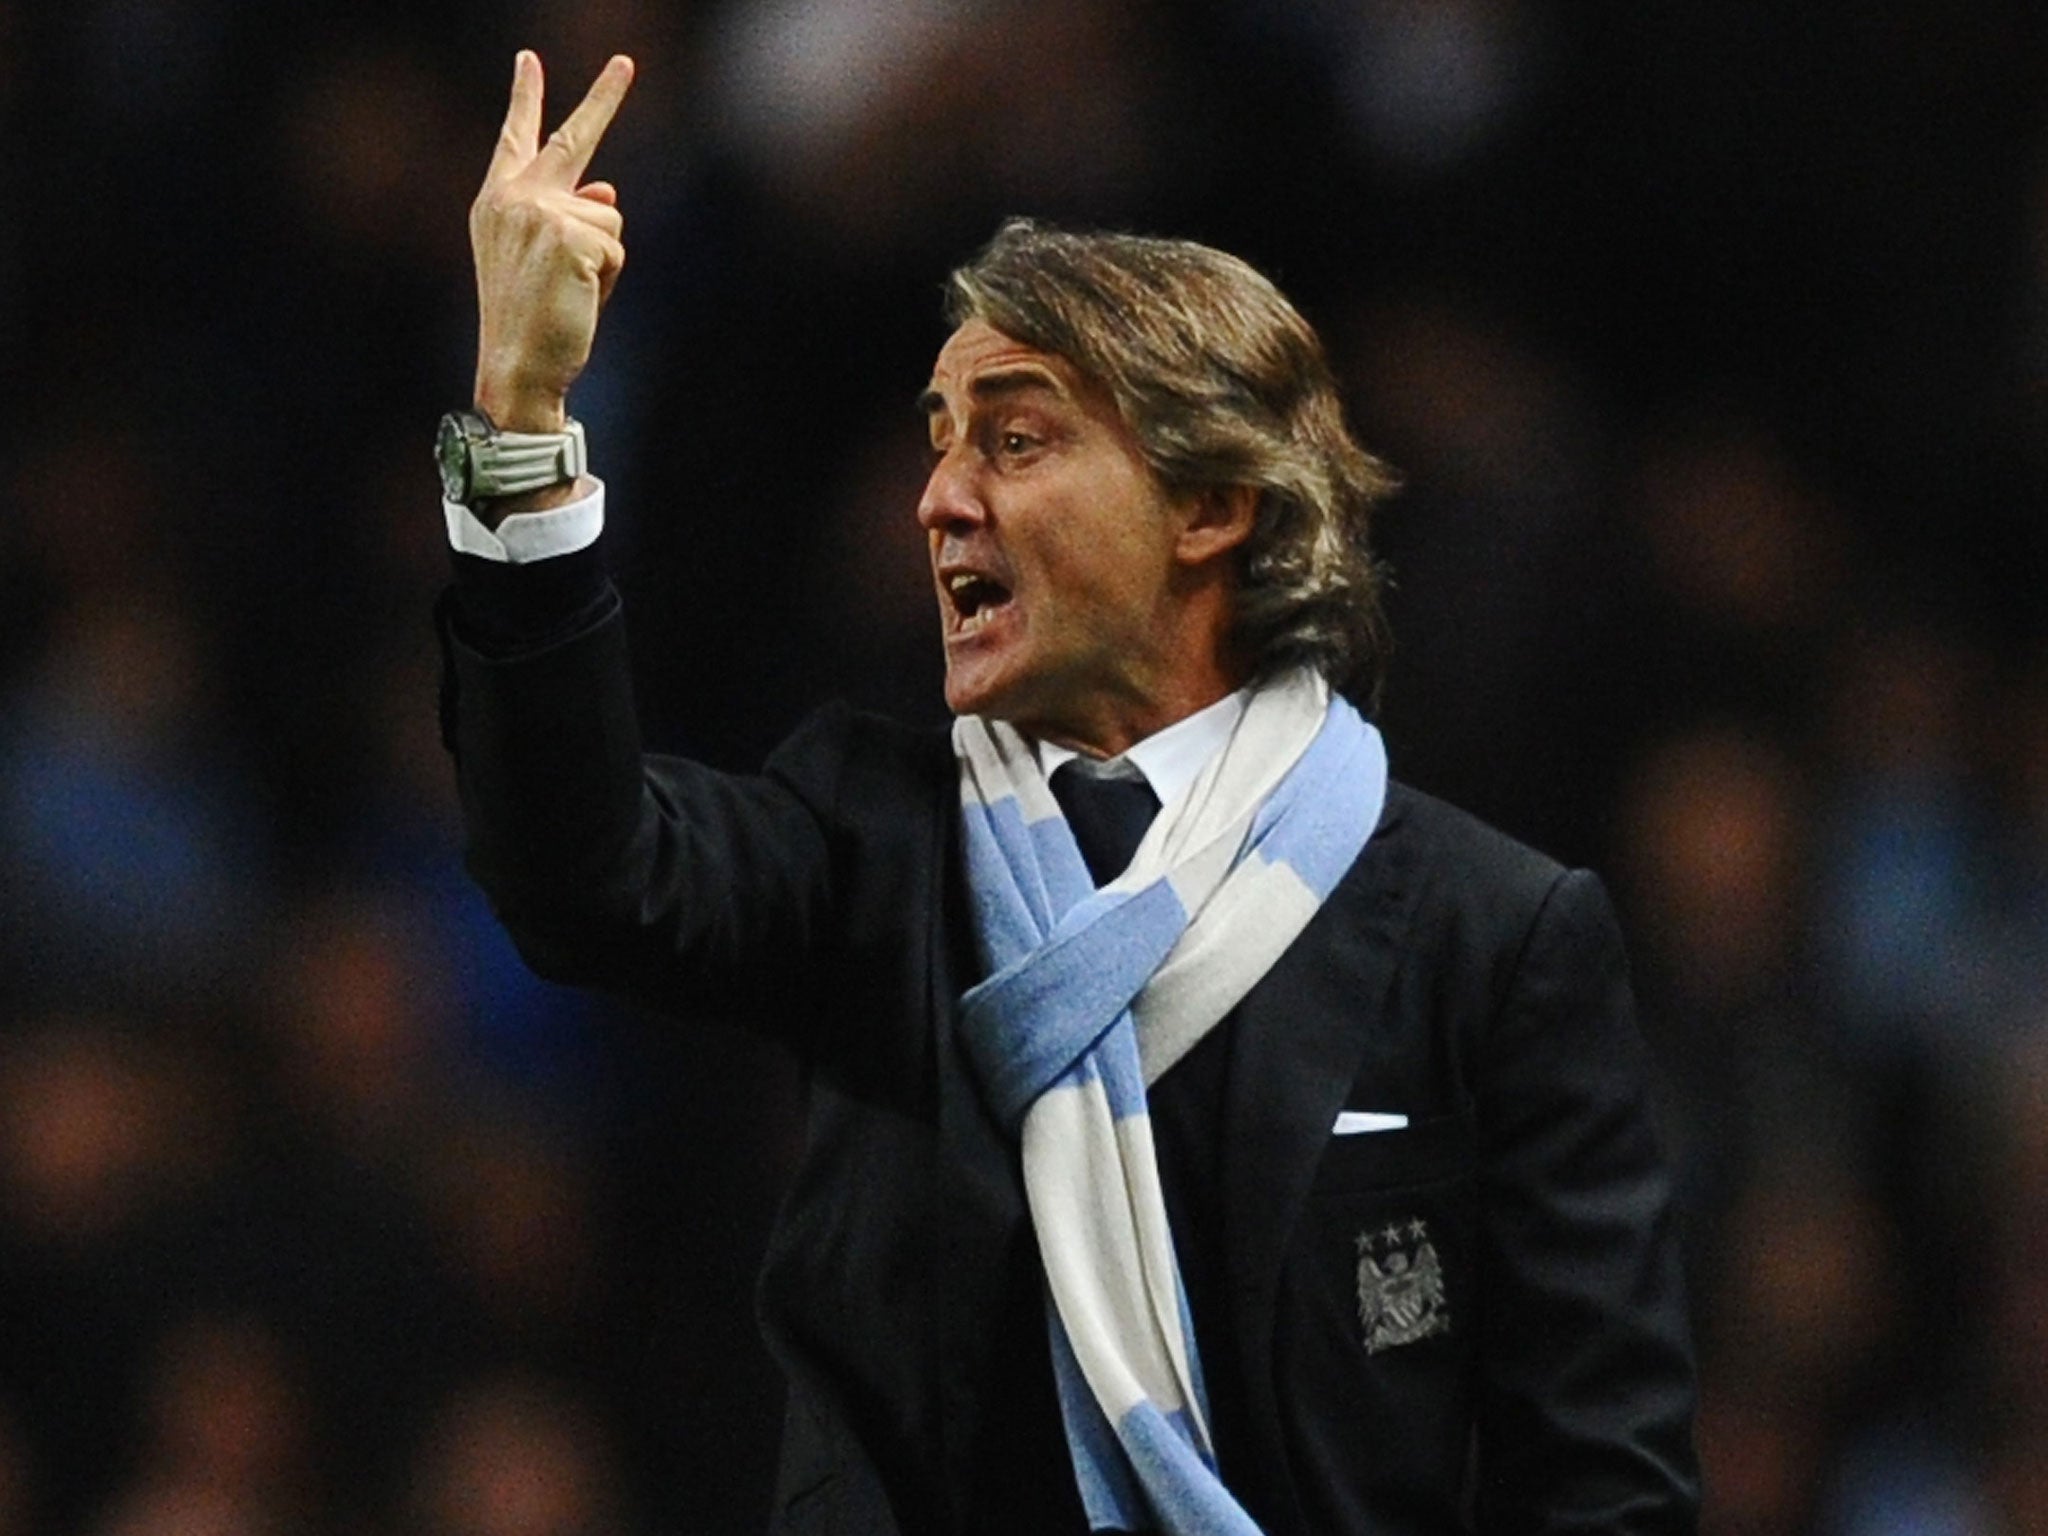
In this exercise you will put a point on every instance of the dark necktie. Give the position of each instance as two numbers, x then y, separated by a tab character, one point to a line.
1108	816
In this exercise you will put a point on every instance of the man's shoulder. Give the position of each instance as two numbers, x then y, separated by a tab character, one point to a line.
837	729
1460	898
865	763
1454	869
1447	835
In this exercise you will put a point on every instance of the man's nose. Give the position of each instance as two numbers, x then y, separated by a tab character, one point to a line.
950	498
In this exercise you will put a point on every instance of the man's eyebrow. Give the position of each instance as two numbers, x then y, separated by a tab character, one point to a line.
1005	381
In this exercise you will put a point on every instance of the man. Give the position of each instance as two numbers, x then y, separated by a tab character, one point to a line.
1205	1133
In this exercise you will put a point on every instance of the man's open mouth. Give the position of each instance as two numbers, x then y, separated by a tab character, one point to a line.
975	599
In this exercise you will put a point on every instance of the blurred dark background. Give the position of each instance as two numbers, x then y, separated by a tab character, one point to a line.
1711	339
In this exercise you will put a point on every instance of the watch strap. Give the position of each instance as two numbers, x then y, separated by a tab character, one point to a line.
513	463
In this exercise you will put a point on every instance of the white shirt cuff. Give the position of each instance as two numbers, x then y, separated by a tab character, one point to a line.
525	537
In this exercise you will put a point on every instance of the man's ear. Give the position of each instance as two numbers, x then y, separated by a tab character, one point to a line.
1216	519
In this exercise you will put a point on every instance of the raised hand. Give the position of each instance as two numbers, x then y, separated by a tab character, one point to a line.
548	250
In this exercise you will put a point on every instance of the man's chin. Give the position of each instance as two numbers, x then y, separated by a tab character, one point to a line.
975	688
966	698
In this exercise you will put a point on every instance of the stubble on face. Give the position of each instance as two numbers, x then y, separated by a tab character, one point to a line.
1052	547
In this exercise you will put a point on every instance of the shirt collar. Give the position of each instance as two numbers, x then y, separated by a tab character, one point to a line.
1168	759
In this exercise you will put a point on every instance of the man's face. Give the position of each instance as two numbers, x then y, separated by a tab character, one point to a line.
1053	547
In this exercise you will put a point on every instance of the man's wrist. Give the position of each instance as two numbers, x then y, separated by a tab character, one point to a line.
500	472
515	410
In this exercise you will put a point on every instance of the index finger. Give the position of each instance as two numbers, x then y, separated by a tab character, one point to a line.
520	136
566	155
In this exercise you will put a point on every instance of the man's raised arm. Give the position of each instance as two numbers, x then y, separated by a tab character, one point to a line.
684	888
548	249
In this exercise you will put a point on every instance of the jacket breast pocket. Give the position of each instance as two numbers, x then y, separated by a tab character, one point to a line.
1376	1323
1383	1261
1425	1151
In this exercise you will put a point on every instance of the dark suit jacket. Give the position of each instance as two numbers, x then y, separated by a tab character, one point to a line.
1454	976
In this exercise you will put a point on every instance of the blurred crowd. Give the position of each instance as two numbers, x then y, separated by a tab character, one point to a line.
1710	340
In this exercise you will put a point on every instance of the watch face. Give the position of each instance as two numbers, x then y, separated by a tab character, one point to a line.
451	456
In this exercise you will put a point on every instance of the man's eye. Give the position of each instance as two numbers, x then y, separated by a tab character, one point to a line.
1018	442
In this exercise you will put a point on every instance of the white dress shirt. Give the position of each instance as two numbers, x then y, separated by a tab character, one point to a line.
525	537
1168	759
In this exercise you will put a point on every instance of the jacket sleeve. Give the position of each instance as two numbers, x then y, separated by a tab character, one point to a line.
1585	1397
656	878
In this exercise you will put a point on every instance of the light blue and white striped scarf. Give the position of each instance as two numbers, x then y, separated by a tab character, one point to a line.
1091	995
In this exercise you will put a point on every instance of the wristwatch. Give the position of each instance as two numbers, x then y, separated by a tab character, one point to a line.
480	463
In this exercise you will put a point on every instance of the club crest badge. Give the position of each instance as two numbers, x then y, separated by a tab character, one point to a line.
1400	1286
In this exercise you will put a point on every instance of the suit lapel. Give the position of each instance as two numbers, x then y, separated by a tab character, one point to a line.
1301	1035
